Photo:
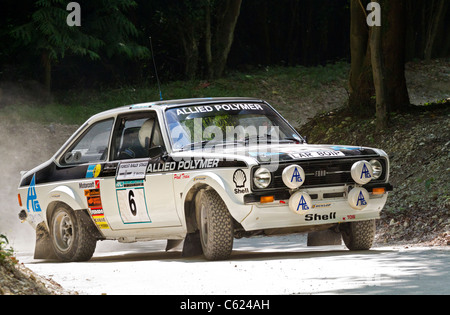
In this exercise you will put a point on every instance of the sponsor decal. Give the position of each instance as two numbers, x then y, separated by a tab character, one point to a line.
183	165
130	183
365	172
130	170
98	215
361	200
302	204
239	179
320	217
94	202
89	185
315	154
322	205
93	171
215	108
199	178
32	202
181	176
93	198
296	176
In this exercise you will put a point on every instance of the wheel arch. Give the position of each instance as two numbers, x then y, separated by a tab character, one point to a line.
55	204
212	181
191	198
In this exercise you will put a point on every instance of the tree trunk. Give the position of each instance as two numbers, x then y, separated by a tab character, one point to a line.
190	44
437	12
361	80
378	77
392	35
47	64
393	28
227	18
208	41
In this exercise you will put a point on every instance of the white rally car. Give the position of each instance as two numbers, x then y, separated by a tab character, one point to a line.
204	171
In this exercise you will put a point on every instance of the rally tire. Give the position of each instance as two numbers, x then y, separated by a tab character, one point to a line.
216	226
359	235
72	234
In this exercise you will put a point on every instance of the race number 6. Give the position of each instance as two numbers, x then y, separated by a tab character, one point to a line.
132	203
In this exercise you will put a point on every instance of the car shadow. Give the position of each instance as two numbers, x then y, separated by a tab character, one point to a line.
237	255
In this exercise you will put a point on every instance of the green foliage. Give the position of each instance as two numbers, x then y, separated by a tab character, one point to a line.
107	20
5	250
47	31
281	86
105	32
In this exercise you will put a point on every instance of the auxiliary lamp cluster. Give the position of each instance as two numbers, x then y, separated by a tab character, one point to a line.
362	172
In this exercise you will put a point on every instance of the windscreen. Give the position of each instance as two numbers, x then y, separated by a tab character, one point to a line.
197	126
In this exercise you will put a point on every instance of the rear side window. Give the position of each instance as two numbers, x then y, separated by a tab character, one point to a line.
90	147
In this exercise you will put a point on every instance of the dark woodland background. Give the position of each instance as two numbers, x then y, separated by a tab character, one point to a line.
190	37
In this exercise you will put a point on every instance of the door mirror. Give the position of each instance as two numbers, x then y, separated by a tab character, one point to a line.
156	152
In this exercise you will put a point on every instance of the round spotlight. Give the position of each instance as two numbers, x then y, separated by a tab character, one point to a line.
362	172
293	176
262	178
377	168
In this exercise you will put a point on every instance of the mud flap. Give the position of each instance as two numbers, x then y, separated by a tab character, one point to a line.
192	245
324	238
172	244
44	247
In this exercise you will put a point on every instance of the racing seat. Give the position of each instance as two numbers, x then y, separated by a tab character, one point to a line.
131	147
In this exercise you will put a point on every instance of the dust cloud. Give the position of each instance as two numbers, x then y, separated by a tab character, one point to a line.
23	146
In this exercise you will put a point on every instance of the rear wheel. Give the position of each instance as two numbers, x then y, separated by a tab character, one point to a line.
216	226
72	234
358	235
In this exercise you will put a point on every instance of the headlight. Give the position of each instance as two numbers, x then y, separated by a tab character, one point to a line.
377	168
262	177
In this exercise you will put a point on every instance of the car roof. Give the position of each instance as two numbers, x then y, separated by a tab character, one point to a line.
172	103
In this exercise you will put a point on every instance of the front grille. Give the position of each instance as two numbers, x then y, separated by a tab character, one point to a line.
321	173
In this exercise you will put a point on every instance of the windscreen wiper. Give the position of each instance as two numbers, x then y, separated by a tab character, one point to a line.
270	139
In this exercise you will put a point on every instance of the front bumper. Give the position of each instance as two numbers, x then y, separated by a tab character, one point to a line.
329	206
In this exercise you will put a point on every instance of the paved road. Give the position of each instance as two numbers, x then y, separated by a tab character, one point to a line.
276	265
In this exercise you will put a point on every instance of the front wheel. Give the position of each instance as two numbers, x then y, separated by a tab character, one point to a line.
215	225
358	235
72	234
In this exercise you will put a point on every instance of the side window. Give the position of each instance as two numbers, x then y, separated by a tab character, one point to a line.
135	135
91	147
